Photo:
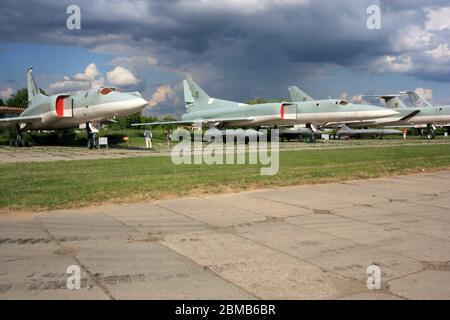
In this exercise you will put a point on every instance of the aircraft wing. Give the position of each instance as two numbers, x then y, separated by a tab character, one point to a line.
409	116
199	121
4	122
381	121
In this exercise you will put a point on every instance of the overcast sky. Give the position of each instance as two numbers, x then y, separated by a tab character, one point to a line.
236	49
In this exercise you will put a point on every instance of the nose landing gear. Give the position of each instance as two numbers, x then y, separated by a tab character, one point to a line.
18	142
431	134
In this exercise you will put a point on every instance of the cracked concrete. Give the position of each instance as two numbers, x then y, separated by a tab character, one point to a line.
308	242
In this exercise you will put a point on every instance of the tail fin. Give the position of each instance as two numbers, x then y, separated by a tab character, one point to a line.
33	90
193	93
298	95
419	101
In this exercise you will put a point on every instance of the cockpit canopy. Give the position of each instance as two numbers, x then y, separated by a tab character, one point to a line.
107	90
342	102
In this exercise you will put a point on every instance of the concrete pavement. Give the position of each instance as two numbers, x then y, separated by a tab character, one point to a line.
59	153
308	242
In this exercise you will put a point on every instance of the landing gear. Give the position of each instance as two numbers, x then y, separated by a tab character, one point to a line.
431	132
91	136
310	138
18	142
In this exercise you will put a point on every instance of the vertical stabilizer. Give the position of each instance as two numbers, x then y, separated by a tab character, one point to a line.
31	84
419	100
298	95
195	97
194	92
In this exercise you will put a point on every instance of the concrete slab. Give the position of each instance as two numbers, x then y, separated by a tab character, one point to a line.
74	226
36	273
345	228
294	240
290	243
425	285
307	197
264	272
353	262
149	270
423	209
210	212
153	219
253	203
379	214
432	228
419	247
441	200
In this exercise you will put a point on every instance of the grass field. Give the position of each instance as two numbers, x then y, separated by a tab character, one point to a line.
51	185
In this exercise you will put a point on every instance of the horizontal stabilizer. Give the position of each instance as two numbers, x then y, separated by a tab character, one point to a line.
392	100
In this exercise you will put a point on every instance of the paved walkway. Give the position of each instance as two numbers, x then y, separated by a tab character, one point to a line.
311	242
58	153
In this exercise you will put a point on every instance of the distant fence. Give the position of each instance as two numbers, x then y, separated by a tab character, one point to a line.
4	109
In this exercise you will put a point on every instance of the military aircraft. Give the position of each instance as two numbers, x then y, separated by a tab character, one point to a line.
423	114
87	109
346	133
419	115
204	110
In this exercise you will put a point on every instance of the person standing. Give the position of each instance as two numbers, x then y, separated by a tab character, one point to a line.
168	137
148	139
405	132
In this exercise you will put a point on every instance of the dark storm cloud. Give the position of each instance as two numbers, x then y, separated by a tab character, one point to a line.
248	47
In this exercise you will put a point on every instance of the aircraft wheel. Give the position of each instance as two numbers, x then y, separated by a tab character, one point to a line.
310	139
18	143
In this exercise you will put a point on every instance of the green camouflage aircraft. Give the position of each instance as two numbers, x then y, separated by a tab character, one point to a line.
86	109
204	110
423	114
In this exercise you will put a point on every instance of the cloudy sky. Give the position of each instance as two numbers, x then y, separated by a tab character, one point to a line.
236	49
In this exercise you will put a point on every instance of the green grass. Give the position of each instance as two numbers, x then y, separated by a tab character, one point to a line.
51	185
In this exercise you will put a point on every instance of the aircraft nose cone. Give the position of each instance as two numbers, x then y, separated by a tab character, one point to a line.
141	102
388	112
137	103
384	112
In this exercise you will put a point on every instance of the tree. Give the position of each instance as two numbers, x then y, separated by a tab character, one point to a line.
20	98
1	102
126	121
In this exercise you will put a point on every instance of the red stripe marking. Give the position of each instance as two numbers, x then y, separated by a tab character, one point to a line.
60	106
282	111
